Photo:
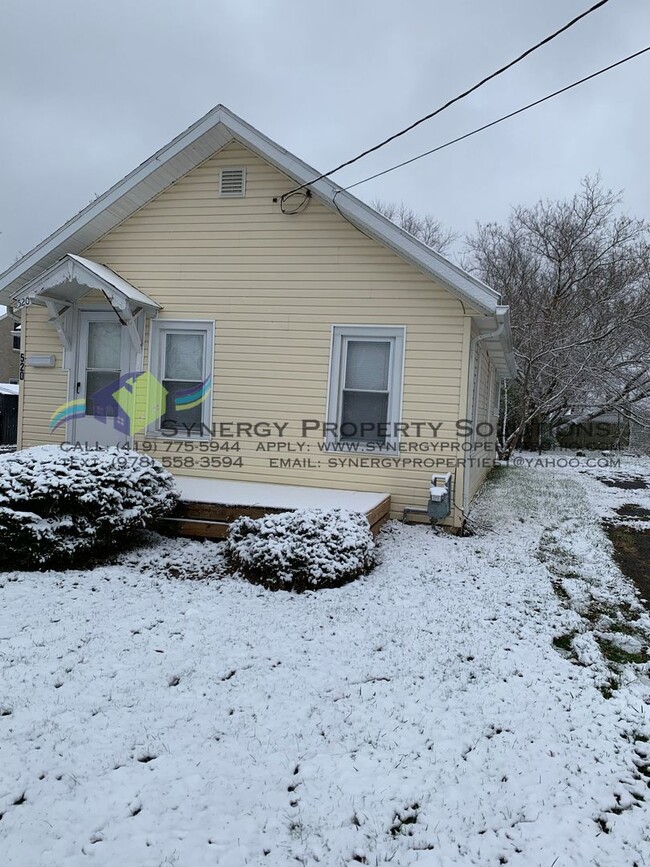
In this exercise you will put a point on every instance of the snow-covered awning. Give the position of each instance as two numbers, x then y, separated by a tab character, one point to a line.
71	279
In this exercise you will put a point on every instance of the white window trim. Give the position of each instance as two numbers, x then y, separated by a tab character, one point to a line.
340	335
158	328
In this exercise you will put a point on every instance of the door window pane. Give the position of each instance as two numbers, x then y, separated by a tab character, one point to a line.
367	365
184	356
100	385
104	345
361	414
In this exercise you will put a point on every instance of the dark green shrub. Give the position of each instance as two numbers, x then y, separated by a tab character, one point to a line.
56	506
301	551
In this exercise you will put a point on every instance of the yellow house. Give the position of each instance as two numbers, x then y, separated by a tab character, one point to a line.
249	326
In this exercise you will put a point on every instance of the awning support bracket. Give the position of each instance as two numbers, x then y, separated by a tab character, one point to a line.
56	319
127	316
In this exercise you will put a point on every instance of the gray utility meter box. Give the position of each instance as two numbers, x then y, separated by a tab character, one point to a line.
439	505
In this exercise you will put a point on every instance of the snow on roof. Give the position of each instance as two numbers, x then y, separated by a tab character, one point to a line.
74	276
8	388
233	493
123	286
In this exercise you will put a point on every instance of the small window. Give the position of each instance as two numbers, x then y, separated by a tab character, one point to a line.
232	183
16	341
365	391
181	360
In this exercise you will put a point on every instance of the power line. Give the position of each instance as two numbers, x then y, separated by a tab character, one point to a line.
499	120
460	96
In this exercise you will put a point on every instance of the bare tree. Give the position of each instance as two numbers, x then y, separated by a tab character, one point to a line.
576	275
425	228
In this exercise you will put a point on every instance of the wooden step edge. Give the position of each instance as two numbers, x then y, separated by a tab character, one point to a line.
379	512
193	510
197	529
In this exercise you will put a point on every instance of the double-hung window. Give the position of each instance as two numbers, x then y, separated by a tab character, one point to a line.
182	362
365	389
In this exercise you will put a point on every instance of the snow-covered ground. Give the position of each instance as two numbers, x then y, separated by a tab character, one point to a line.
421	715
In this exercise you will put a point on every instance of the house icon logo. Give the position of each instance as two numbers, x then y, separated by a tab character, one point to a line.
131	403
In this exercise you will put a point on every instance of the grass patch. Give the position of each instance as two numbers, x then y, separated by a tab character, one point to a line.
618	655
632	553
560	591
635	736
609	688
622	610
626	629
565	642
633	510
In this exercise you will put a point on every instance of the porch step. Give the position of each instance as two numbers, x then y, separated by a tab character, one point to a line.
199	514
196	529
220	511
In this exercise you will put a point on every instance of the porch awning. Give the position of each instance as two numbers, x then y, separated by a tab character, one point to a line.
71	279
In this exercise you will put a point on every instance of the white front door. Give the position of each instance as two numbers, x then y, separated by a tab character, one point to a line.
104	354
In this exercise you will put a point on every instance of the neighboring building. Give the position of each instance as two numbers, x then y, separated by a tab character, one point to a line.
206	267
8	415
640	427
9	349
609	430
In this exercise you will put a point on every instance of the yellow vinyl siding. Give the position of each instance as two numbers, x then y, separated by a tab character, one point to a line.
43	388
275	285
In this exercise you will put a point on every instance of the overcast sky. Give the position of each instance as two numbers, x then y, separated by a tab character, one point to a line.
90	89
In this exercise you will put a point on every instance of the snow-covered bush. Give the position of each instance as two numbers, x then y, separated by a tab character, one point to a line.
301	551
57	506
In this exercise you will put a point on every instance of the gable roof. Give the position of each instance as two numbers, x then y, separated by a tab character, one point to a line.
198	143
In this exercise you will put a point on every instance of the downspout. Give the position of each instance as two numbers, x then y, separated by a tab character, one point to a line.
500	315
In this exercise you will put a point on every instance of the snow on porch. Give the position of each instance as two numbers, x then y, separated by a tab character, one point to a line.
208	506
270	496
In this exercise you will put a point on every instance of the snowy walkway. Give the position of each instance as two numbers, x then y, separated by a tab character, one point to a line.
419	716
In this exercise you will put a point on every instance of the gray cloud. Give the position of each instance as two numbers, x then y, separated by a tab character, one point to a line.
90	90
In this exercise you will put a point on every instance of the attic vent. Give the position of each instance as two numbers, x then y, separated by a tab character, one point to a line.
232	182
